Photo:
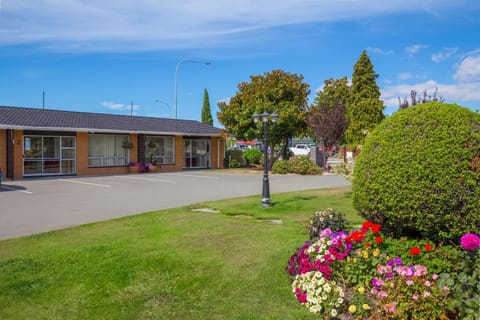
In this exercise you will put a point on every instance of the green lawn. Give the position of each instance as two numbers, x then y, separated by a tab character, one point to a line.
171	264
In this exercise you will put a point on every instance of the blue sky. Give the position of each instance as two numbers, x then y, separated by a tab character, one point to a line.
100	56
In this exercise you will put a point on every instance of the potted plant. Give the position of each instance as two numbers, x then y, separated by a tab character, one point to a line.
127	144
135	167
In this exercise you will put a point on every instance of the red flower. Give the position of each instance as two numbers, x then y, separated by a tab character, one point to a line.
375	228
368	244
415	251
378	240
428	247
357	236
366	225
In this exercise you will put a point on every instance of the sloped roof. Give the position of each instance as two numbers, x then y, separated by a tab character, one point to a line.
57	120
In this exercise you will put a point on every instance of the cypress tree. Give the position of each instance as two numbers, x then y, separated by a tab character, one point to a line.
206	112
365	110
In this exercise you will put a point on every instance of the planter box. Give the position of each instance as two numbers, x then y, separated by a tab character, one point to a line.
134	169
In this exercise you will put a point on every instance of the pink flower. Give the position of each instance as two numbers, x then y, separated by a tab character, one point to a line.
410	282
426	294
382	294
302	297
415	297
434	276
445	288
470	241
427	283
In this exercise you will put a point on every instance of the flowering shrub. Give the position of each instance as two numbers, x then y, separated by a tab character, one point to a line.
344	169
321	220
409	292
446	286
318	294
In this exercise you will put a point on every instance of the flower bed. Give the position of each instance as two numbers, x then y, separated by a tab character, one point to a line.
362	274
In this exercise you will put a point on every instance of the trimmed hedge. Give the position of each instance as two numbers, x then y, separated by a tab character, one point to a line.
252	156
418	173
300	165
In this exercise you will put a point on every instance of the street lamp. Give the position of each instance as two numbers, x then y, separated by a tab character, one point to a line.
168	105
264	118
176	79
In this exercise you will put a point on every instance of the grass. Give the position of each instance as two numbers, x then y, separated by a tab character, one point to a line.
171	264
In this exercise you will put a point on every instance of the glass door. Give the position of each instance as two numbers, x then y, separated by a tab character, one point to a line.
196	153
48	155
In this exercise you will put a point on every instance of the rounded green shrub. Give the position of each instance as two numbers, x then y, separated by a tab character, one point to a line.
304	165
281	167
236	156
418	173
252	156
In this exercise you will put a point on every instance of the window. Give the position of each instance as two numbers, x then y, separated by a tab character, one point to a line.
160	149
105	150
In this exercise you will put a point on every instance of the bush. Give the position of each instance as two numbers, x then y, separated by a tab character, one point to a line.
304	165
236	156
281	167
252	156
321	220
418	173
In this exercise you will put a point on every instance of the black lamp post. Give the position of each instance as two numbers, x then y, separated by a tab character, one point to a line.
265	118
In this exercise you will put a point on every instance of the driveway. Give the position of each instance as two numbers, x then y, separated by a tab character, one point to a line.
38	205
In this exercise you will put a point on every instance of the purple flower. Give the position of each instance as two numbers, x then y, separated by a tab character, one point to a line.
398	261
390	263
470	241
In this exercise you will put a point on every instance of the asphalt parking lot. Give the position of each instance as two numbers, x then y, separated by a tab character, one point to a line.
32	206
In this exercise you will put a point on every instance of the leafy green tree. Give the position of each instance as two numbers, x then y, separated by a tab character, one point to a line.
277	91
206	112
327	116
365	110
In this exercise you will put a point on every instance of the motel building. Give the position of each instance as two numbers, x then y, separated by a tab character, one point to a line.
38	142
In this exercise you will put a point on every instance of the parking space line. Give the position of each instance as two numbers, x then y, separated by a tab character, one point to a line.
191	175
86	183
14	189
147	179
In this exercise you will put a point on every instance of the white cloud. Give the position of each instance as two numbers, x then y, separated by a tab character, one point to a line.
447	53
468	70
380	51
412	50
120	106
109	25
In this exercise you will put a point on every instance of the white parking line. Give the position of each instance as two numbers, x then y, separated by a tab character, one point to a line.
13	189
147	179
190	175
87	183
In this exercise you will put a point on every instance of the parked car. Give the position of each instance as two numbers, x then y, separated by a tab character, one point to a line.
300	150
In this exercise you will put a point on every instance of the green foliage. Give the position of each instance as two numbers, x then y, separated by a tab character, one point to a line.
299	165
344	169
365	110
419	173
281	167
329	218
252	156
304	165
235	156
464	285
277	91
206	112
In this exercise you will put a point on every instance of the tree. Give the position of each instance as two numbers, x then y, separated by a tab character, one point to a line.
365	110
277	91
327	116
206	112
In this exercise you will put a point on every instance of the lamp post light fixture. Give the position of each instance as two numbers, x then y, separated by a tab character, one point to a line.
176	79
264	118
168	105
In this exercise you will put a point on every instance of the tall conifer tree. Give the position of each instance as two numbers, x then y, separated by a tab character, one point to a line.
365	110
206	112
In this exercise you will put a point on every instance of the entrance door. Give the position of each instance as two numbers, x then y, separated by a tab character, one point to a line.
48	155
196	153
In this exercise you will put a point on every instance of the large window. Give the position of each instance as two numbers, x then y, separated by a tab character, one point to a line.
105	150
160	149
196	153
48	155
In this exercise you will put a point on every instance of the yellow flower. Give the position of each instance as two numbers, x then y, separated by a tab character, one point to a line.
365	255
365	306
352	309
354	260
361	290
376	252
